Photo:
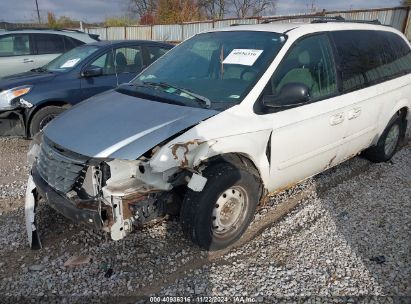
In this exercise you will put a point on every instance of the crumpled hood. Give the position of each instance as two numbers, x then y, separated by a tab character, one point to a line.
26	78
114	125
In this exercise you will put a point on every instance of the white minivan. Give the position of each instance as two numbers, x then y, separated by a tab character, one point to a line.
22	50
221	120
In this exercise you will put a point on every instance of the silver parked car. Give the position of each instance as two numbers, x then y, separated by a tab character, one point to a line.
23	50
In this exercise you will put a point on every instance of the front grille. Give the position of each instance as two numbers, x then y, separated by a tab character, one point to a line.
59	170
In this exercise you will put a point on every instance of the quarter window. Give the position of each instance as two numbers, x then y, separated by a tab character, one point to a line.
310	62
71	43
14	45
396	55
370	57
49	43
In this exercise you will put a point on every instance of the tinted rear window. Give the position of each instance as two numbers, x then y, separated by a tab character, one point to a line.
71	43
49	43
370	57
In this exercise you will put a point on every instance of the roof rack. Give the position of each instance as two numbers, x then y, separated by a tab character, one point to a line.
317	18
323	19
326	19
286	18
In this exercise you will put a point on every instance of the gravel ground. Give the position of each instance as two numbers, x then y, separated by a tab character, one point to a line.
343	236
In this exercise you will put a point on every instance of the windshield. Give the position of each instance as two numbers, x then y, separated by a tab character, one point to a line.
219	68
69	60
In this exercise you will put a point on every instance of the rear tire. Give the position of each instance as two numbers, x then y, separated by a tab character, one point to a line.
217	216
388	143
42	117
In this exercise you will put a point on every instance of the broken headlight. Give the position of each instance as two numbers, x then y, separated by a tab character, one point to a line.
9	99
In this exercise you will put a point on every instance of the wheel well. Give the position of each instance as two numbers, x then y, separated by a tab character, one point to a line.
42	106
241	161
403	112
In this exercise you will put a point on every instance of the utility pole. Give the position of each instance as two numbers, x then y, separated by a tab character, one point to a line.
38	13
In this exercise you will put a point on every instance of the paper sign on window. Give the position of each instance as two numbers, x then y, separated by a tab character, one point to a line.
242	56
70	63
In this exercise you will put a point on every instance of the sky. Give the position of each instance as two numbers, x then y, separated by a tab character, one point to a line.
99	10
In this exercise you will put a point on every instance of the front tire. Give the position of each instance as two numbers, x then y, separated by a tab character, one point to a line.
217	216
388	143
42	117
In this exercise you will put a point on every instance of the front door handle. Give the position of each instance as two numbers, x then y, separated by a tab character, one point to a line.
28	60
337	119
354	113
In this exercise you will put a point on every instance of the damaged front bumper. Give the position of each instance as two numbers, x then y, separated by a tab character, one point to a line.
79	211
116	210
12	123
115	214
107	194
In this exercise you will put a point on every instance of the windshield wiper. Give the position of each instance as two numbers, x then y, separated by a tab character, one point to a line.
40	70
204	100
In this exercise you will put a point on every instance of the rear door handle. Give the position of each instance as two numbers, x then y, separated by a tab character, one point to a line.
28	60
354	113
337	119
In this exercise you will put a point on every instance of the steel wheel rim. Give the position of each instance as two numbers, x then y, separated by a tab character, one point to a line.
229	211
391	140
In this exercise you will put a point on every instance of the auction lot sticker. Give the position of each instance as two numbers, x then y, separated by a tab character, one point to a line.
242	56
70	63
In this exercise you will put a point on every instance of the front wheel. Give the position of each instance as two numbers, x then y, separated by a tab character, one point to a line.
217	216
42	117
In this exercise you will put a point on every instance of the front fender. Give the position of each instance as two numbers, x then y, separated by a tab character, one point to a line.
190	153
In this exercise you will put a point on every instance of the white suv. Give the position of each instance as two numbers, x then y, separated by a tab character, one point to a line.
220	121
23	50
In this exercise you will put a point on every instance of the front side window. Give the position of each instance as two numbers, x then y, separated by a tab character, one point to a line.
220	67
309	62
49	43
106	62
128	60
14	45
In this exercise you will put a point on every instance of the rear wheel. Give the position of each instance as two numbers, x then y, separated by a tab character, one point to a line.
217	216
42	117
388	143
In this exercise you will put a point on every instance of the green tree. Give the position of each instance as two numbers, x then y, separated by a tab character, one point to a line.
117	21
406	2
51	20
61	22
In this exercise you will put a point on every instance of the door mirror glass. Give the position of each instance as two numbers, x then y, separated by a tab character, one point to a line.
92	71
291	94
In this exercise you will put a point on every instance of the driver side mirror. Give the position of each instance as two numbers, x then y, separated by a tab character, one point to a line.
291	94
92	72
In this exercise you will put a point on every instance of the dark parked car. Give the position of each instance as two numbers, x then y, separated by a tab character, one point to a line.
28	101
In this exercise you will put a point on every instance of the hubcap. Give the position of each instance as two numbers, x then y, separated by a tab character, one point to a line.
229	210
392	139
